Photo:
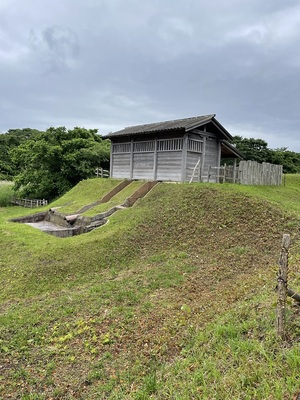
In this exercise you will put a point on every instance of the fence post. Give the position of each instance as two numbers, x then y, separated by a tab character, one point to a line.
224	173
208	173
234	171
282	285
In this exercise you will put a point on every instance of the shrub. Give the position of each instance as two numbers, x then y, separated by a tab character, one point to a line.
6	193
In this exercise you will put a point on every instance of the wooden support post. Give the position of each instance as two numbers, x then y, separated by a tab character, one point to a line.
131	160
203	156
111	160
219	162
208	173
155	159
282	285
224	173
295	296
184	158
234	171
199	170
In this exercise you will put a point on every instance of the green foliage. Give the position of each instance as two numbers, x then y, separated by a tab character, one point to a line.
252	149
6	193
56	160
289	159
257	150
9	141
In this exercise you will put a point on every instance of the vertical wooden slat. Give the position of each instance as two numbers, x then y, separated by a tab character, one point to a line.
111	171
253	173
184	156
131	160
199	172
203	155
155	159
208	173
234	171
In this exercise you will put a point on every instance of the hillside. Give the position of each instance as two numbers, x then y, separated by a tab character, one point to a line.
172	299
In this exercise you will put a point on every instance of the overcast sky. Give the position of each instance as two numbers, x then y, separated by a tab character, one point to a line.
107	64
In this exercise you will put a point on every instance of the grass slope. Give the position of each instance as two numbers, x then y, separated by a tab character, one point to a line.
118	199
172	299
86	192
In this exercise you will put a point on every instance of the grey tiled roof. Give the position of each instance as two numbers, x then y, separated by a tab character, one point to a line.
185	124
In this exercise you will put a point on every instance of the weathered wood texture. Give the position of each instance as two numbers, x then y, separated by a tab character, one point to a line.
193	167
155	159
295	296
102	173
211	159
120	166
282	285
169	166
168	158
247	173
254	173
143	165
168	145
225	173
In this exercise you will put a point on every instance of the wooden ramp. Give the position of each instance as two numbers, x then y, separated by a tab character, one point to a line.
101	219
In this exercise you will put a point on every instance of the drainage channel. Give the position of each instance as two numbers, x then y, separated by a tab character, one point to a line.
57	224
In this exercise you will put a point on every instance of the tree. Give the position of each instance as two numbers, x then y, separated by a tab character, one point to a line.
8	141
289	159
252	149
257	150
56	160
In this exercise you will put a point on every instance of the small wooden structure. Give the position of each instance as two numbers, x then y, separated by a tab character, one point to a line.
180	150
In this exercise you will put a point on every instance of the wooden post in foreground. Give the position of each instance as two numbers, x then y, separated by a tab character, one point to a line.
282	285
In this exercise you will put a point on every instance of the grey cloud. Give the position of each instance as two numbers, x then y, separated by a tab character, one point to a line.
55	47
112	63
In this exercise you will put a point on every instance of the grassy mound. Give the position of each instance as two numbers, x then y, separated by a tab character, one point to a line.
86	192
118	199
172	299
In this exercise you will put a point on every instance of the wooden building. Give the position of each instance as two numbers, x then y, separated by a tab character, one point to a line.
180	150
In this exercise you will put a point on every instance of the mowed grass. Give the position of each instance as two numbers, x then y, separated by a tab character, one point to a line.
86	192
172	299
287	195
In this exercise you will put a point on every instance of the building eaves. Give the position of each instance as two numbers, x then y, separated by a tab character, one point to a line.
180	124
230	151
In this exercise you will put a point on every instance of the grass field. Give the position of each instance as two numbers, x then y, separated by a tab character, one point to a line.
172	299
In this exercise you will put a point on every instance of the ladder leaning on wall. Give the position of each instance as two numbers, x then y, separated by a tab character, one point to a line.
194	170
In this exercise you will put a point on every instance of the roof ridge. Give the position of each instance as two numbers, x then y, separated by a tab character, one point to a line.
172	120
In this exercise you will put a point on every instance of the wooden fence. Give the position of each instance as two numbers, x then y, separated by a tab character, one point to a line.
247	173
225	173
102	173
29	203
253	173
